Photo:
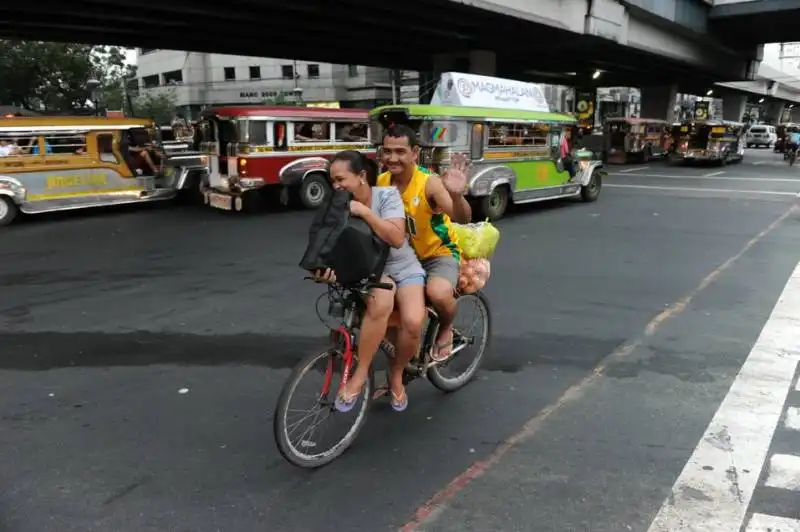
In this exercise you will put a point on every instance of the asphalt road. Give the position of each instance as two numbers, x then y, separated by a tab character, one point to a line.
601	380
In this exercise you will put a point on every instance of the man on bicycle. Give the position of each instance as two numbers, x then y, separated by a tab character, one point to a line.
792	142
430	203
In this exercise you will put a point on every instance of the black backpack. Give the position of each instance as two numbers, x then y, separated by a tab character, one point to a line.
345	244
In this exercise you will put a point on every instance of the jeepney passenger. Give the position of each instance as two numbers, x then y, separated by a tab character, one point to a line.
136	154
8	148
565	150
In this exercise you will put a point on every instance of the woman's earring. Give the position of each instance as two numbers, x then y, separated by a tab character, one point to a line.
363	181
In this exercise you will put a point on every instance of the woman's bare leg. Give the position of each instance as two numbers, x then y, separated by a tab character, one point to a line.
373	328
411	304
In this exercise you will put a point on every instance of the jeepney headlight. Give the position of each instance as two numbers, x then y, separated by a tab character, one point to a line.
18	191
480	188
251	182
224	182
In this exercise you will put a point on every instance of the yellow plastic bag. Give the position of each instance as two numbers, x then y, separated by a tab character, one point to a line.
477	240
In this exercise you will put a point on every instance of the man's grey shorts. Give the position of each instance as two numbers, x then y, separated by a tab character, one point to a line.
445	267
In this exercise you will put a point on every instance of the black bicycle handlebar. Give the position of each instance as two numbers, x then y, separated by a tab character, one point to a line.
367	285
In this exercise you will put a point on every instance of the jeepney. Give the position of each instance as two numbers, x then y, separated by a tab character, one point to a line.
63	163
716	141
256	150
515	154
634	138
176	139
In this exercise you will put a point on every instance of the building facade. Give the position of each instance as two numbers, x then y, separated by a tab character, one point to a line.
199	80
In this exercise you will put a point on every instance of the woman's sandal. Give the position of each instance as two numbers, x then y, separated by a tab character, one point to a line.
399	402
345	403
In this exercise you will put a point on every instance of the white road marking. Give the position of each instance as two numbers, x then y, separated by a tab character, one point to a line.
784	472
712	177
768	523
692	189
714	489
635	169
712	174
760	162
792	419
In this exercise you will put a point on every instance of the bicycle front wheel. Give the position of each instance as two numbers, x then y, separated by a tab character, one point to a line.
307	436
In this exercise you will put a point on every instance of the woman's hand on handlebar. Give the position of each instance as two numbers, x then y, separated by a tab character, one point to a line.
324	276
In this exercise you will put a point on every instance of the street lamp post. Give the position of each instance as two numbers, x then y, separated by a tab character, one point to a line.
298	96
92	86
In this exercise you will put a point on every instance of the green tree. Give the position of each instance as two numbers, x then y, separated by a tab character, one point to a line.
114	92
160	106
36	74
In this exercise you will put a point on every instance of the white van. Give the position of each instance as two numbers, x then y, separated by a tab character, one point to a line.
761	135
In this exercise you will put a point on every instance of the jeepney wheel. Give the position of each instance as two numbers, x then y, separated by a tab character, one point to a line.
8	211
495	204
591	191
314	191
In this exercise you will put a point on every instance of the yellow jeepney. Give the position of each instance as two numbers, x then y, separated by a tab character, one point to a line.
716	141
634	138
61	163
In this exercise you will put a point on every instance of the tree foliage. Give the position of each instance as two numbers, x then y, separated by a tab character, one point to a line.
160	106
55	76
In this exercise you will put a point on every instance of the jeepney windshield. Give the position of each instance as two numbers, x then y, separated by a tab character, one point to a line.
617	131
720	131
431	132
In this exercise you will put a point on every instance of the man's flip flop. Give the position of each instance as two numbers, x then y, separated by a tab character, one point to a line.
436	355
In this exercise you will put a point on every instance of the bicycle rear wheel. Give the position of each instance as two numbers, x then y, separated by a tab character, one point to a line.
300	446
471	337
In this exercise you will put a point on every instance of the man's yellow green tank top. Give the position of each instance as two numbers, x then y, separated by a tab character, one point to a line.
430	233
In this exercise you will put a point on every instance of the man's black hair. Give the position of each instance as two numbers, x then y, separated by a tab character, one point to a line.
400	131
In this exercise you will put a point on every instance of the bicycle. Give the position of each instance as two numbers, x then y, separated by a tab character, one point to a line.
792	156
348	303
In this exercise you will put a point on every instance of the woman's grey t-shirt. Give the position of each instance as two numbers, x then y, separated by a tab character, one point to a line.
402	261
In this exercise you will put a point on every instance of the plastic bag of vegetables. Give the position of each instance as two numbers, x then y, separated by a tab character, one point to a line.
473	276
477	240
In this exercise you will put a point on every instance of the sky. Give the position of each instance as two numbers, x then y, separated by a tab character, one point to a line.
130	56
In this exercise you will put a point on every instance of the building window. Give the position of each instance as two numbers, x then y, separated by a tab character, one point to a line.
352	70
287	71
313	71
173	78
255	72
150	81
230	73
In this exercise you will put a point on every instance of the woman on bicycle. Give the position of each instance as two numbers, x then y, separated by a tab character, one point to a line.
382	209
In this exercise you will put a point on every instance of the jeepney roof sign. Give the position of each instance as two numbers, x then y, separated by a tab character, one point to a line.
471	90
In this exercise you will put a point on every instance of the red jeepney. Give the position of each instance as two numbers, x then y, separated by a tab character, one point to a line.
271	148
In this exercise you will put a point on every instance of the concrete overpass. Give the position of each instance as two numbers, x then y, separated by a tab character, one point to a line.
636	42
749	22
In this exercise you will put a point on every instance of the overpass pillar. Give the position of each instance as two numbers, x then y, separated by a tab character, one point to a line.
659	102
733	107
773	112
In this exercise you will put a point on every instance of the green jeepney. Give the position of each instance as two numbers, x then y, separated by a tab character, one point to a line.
515	153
